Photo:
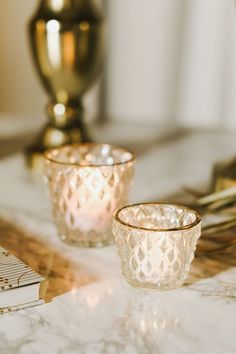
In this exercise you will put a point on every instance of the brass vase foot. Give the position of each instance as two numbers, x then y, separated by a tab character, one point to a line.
50	137
65	127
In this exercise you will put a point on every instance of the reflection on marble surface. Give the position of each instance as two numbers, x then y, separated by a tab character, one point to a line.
147	321
62	275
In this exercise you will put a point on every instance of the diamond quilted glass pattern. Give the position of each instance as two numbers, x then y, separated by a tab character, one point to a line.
156	243
87	183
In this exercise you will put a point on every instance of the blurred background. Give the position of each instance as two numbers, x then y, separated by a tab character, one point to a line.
169	63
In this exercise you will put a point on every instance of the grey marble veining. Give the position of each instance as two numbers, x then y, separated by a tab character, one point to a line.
106	315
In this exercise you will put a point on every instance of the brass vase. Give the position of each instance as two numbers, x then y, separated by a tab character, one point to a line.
67	39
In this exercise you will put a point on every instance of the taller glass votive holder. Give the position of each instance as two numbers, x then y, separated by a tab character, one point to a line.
156	243
87	183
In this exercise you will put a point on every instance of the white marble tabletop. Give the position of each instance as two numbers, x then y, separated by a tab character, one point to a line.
106	315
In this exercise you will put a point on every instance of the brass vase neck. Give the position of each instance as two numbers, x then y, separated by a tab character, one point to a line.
64	115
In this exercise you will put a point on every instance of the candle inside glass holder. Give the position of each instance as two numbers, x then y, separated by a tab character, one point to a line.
87	183
156	243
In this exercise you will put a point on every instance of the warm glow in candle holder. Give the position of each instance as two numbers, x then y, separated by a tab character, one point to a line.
87	183
156	243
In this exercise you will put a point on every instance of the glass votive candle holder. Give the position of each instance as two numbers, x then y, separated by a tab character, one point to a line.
156	243
87	183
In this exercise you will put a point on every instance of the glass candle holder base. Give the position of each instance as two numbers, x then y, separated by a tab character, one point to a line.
93	241
153	287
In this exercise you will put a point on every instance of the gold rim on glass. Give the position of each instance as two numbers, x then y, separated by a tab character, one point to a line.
48	152
186	227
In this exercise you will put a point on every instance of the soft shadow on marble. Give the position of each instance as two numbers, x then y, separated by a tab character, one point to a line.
204	267
62	275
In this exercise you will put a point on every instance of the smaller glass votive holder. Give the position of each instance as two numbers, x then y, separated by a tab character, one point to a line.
87	183
156	243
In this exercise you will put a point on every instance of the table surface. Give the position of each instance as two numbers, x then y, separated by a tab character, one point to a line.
90	309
